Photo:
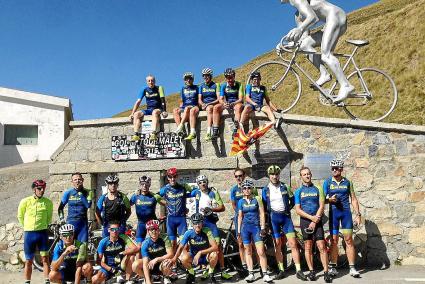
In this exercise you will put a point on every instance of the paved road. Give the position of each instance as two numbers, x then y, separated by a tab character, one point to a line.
395	274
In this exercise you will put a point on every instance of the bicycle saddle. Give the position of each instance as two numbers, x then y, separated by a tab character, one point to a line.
357	42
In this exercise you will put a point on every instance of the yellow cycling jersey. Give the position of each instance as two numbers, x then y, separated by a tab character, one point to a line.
35	214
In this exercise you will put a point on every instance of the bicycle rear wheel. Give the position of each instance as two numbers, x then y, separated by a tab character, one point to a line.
375	99
283	90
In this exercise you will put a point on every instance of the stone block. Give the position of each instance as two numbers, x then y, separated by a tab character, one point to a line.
358	138
373	150
64	157
94	155
79	155
2	233
420	207
416	236
21	255
62	168
390	229
400	172
362	180
398	196
417	196
401	147
417	149
362	163
418	183
4	246
413	260
381	138
86	144
389	184
5	256
14	259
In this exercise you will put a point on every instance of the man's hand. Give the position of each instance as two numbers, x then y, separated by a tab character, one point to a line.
152	263
113	270
263	233
70	249
196	258
294	34
312	226
164	114
204	106
131	116
358	220
333	199
207	211
315	219
227	105
168	263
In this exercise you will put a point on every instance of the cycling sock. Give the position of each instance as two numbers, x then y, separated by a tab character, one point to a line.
215	130
297	266
280	266
208	130
27	281
332	265
210	270
352	266
191	271
47	281
137	133
192	131
244	266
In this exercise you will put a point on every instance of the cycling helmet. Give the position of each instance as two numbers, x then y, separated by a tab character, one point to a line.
207	71
337	163
273	170
112	178
197	218
247	183
66	229
255	74
187	75
144	179
38	183
201	178
229	72
152	225
171	172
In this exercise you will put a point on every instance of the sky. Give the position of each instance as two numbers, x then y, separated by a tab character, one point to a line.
98	52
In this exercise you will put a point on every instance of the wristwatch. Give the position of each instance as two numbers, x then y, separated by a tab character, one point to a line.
359	214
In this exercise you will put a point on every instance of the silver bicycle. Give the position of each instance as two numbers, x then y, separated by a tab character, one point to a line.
374	98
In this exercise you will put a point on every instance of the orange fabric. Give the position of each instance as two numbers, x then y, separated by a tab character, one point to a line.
242	141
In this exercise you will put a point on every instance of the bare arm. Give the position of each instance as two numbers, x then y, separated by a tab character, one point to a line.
135	107
306	12
262	217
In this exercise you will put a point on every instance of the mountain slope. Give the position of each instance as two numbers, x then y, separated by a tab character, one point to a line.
395	33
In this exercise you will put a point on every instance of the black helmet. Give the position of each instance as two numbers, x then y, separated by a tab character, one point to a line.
197	218
255	74
273	170
112	178
229	72
144	179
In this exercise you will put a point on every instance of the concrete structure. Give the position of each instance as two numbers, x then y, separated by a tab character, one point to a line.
32	126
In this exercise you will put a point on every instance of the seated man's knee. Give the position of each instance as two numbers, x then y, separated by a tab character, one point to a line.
156	112
218	107
349	240
213	256
137	266
210	109
55	276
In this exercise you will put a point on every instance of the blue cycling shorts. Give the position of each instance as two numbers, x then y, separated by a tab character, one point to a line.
176	226
251	232
202	260
81	229
148	111
105	272
34	240
140	232
214	229
254	108
282	224
343	218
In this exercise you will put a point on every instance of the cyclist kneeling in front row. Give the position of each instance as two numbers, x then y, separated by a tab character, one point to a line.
70	260
114	252
203	249
156	254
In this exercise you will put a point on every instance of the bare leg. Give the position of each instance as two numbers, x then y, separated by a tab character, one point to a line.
28	269
218	110
210	110
245	114
137	267
294	250
278	250
334	249
238	110
55	277
155	119
194	111
176	115
137	121
323	254
351	250
262	255
248	257
212	259
46	266
308	252
128	265
269	113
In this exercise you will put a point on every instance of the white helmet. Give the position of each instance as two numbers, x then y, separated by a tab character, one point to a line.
66	229
207	71
201	178
337	163
188	75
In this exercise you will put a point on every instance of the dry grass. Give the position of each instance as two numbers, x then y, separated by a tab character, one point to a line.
395	30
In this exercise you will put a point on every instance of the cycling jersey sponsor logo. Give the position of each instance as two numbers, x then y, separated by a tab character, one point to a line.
175	195
114	248
151	95
257	90
140	202
157	249
197	243
341	186
205	90
305	194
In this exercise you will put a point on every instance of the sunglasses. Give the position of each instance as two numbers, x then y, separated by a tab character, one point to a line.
336	169
238	176
67	235
172	177
154	230
112	183
114	229
202	182
246	187
40	188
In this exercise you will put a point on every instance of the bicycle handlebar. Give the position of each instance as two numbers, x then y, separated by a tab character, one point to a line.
288	46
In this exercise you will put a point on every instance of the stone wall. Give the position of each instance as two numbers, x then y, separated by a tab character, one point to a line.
11	247
385	162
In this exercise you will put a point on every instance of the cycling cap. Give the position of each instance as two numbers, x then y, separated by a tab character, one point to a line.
255	74
144	179
201	178
112	178
152	225
273	170
171	172
207	71
187	75
229	72
247	183
337	163
38	183
197	218
66	229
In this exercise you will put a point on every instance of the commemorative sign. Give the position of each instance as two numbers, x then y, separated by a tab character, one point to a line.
167	145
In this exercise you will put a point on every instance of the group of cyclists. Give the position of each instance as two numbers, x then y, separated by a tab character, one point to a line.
257	212
209	96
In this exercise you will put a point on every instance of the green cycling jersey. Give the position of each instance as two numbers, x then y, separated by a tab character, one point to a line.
35	214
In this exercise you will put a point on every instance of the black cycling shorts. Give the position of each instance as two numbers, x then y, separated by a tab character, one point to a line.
318	233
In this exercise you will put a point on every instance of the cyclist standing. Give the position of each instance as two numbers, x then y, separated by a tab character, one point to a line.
145	203
156	254
113	205
208	203
231	96
209	93
155	102
115	252
79	199
203	249
339	190
188	106
35	214
278	199
70	260
310	204
251	228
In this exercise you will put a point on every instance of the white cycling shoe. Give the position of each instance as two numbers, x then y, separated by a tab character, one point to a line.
343	93
354	273
250	278
267	278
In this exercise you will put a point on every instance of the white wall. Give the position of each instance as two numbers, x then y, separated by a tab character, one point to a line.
50	120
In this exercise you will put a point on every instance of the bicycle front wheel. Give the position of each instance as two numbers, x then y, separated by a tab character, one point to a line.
283	84
375	95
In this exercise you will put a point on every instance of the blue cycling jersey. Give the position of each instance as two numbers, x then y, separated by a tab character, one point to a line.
231	93
153	97
175	197
341	189
251	210
80	254
197	242
189	95
145	206
236	195
78	202
309	197
208	92
153	249
256	93
109	249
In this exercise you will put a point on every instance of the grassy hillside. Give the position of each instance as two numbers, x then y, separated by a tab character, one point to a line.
395	30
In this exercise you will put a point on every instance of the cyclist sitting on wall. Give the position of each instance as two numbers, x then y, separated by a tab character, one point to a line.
35	214
203	249
113	205
145	203
255	95
338	191
79	200
156	253
188	106
115	252
208	203
310	204
70	260
155	102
